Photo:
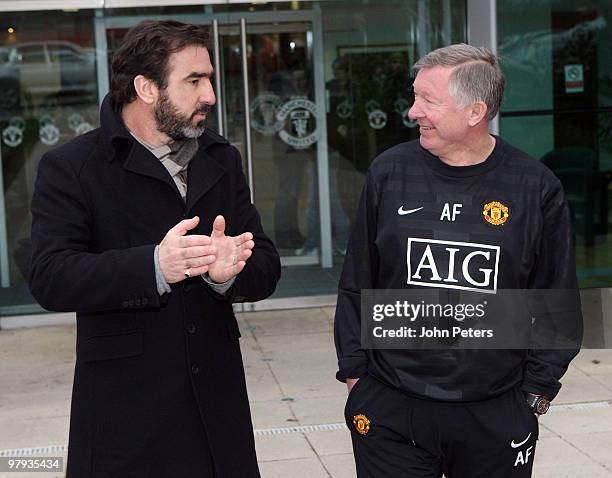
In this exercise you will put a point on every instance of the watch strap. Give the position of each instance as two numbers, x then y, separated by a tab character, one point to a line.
532	398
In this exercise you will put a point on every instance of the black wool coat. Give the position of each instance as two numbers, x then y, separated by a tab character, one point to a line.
159	387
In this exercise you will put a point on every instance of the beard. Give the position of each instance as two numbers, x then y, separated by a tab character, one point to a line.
175	124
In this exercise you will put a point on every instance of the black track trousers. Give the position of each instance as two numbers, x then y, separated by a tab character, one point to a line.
413	438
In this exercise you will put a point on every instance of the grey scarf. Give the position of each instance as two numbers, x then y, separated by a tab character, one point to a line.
175	157
181	153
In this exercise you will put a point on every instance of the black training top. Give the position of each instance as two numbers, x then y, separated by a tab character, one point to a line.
510	209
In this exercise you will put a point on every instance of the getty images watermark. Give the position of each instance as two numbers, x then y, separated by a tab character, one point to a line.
443	318
412	312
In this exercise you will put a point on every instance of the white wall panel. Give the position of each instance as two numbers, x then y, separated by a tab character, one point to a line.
25	5
28	5
157	3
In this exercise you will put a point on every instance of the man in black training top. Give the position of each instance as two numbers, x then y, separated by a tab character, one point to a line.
430	212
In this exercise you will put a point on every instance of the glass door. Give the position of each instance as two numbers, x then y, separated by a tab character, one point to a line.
284	126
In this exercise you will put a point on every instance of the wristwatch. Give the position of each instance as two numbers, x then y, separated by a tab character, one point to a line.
538	403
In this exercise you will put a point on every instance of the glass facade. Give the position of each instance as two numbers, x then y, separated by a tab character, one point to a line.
328	88
48	95
557	57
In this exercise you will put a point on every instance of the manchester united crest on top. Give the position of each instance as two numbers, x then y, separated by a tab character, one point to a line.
496	213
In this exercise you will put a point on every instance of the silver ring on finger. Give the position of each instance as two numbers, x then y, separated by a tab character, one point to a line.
187	273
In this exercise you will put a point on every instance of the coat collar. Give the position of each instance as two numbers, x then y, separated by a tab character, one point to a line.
204	170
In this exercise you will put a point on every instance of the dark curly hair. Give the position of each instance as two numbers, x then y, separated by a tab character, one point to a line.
146	50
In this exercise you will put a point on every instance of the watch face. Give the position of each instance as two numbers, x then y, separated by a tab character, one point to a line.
542	406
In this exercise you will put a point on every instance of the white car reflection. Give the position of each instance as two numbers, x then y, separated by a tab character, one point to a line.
36	73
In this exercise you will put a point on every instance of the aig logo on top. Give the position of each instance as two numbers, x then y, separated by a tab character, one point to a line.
453	265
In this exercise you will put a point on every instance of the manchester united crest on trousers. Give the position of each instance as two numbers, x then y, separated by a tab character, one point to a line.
362	424
496	213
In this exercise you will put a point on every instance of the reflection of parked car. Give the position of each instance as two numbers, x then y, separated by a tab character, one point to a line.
38	71
527	56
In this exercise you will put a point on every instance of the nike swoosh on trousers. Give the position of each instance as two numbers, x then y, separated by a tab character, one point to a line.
516	445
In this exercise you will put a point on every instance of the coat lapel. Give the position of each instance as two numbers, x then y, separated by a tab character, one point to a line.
141	161
204	173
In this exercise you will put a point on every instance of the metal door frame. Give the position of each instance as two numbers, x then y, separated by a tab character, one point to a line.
482	31
102	23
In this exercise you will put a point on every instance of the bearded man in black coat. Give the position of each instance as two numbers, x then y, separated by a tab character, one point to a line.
146	229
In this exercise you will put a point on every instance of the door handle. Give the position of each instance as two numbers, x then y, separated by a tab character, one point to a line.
247	107
219	91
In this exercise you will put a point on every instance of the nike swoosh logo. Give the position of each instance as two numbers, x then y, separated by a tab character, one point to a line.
516	445
402	212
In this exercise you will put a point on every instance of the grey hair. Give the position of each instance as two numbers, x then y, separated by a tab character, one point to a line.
477	75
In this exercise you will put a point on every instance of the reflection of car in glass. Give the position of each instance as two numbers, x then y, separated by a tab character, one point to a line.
45	71
528	57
